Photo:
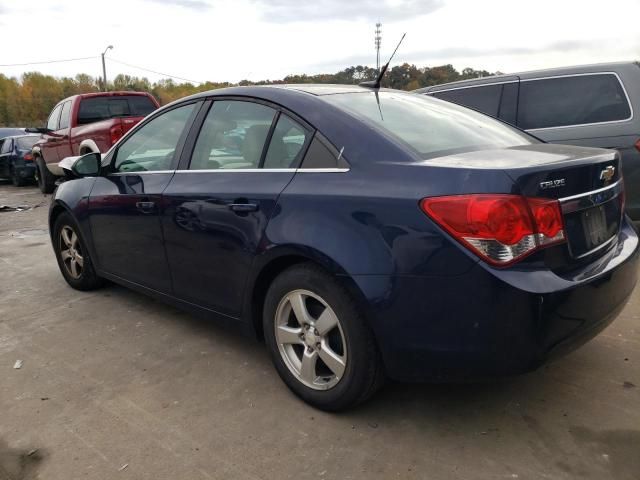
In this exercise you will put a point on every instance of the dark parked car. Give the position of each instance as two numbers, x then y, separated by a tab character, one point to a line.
361	233
16	160
591	105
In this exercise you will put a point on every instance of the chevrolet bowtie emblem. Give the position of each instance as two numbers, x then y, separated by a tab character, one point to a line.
608	173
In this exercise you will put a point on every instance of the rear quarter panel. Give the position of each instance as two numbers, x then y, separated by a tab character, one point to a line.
368	221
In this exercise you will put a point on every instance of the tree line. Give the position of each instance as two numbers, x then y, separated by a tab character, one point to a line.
28	100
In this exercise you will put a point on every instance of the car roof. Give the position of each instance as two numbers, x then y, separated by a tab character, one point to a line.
577	69
317	90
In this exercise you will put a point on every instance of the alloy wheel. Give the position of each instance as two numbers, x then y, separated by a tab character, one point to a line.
310	339
71	252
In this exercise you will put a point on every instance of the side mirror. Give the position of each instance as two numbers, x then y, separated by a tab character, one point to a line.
85	166
40	130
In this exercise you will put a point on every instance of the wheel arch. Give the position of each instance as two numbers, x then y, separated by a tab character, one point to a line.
57	208
275	261
87	146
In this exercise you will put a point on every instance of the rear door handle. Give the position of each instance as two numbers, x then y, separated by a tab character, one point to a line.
146	207
243	207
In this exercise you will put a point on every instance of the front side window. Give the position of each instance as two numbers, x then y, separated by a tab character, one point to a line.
429	126
484	99
52	123
153	146
64	116
233	136
286	145
577	100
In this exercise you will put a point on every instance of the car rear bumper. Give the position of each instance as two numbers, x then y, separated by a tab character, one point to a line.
489	323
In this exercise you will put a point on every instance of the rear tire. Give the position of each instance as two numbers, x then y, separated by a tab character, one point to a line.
313	329
46	180
73	256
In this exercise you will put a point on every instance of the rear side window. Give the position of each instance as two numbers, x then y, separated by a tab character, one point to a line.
233	136
322	154
287	144
94	109
577	100
485	99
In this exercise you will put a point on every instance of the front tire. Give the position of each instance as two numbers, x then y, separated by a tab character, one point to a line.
320	344
46	180
73	256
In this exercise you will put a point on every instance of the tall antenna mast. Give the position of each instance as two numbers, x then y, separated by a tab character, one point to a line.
378	43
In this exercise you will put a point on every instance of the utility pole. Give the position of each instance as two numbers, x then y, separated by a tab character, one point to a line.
378	42
104	68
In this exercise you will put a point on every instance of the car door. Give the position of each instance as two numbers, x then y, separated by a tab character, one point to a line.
6	149
218	204
125	204
52	140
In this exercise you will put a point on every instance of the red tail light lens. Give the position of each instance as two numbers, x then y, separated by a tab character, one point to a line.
28	157
637	144
501	229
116	133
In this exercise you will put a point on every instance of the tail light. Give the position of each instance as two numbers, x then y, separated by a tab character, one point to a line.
501	229
115	133
637	144
28	157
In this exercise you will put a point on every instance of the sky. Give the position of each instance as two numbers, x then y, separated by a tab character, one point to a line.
231	40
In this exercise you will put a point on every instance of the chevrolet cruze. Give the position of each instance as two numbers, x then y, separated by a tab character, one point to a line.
363	233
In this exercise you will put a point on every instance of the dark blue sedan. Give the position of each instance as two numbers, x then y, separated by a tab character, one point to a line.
16	160
362	233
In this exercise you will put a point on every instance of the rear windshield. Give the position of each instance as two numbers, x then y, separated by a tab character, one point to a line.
8	132
25	143
429	126
102	108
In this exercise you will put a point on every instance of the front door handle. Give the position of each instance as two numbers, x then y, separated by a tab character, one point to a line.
146	207
243	207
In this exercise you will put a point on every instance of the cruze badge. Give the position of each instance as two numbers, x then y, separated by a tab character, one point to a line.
552	184
608	173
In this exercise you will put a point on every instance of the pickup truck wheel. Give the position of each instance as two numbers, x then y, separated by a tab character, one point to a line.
46	180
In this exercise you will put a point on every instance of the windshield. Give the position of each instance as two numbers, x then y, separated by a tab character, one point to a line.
94	109
429	126
25	143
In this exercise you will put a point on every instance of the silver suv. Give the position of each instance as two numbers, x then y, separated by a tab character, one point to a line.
591	105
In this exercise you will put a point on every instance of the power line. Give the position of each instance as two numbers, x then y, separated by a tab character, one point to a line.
47	61
153	71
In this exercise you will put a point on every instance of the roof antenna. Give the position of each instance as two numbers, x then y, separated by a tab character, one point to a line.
376	83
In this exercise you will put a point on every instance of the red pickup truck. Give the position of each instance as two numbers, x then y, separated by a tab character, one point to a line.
90	122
